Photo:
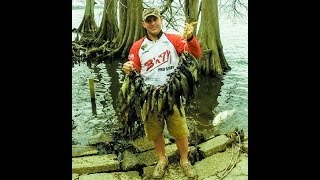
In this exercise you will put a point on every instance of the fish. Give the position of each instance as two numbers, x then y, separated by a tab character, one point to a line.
125	85
185	86
144	111
131	92
160	100
149	98
223	117
170	96
154	100
190	79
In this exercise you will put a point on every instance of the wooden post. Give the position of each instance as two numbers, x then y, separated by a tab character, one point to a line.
91	85
93	96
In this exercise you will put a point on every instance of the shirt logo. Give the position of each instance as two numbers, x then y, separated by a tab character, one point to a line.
162	58
144	46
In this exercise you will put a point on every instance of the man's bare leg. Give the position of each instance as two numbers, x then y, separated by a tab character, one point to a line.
159	146
186	166
160	168
183	148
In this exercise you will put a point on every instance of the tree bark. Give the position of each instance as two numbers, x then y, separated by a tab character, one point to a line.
213	62
224	64
88	25
191	12
122	22
132	29
109	27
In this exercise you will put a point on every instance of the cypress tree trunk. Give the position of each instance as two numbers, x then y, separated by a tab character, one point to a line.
137	26
213	60
88	25
191	12
132	28
109	27
122	22
224	64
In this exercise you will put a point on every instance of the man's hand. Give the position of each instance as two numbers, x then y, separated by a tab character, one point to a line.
128	67
188	30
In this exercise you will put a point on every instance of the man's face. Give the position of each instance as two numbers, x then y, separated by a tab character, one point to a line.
152	25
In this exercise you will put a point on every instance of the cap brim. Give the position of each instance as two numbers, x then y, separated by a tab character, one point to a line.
150	15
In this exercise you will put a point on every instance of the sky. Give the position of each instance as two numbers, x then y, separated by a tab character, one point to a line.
83	2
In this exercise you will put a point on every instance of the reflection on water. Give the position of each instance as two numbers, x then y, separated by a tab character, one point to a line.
108	78
94	106
205	101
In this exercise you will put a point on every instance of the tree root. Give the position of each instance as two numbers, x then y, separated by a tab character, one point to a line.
232	163
98	50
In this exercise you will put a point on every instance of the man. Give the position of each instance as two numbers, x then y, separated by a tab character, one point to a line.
155	56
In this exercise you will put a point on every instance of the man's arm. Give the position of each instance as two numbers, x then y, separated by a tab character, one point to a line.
133	57
191	45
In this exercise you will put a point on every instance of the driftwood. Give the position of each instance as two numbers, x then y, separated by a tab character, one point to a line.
98	50
236	136
77	53
78	47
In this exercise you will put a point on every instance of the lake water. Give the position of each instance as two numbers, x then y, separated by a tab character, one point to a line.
212	96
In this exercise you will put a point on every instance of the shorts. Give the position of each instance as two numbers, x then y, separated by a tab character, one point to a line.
176	124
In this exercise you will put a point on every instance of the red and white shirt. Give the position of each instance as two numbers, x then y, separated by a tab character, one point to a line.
156	59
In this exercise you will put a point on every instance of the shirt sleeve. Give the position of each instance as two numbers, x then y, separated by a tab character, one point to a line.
134	55
181	45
